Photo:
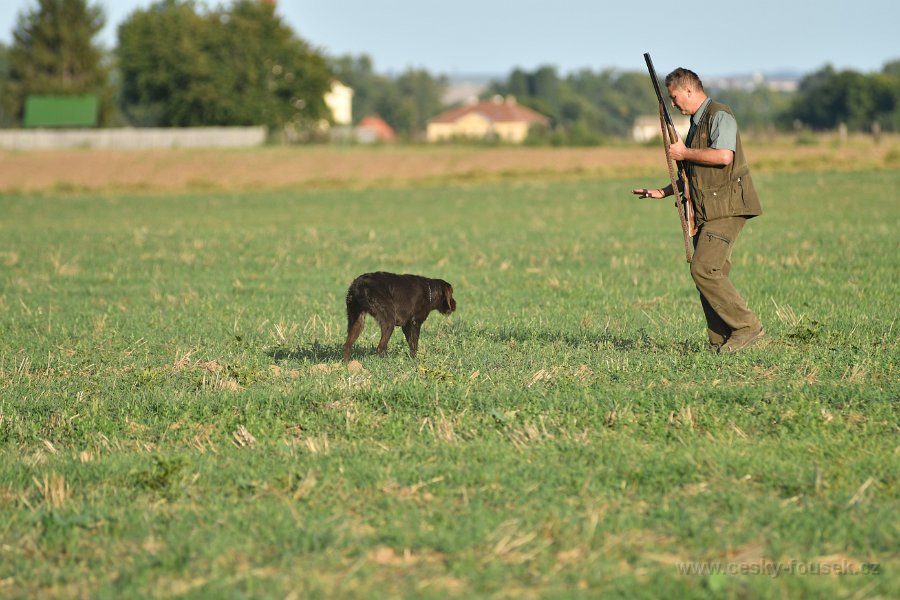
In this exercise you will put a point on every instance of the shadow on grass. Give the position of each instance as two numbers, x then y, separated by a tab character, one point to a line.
317	352
640	340
314	352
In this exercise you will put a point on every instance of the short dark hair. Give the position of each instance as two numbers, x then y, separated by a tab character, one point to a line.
682	77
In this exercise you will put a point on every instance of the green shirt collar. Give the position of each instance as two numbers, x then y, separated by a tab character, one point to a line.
695	118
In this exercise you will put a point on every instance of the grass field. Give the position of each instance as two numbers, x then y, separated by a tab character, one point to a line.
175	419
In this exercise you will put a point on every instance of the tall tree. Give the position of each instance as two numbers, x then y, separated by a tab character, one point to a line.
547	87
358	72
828	98
164	71
239	65
405	102
518	84
5	118
756	109
422	95
892	68
54	52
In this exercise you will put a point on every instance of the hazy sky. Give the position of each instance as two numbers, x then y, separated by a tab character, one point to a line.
495	36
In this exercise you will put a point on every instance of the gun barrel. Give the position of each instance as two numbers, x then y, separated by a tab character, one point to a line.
656	87
683	203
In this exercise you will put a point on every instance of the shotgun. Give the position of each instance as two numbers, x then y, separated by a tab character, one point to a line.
682	196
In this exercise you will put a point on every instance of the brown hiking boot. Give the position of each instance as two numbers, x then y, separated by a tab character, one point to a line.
715	341
739	341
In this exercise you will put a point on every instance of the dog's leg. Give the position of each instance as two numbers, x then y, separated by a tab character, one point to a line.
356	318
387	329
411	331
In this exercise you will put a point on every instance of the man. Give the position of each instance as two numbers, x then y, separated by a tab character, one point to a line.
724	198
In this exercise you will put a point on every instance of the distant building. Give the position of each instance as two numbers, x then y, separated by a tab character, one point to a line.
647	127
776	82
498	118
374	129
463	92
339	100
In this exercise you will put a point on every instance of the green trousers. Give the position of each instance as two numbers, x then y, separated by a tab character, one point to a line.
725	309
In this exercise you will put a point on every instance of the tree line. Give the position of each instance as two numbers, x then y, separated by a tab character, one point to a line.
178	64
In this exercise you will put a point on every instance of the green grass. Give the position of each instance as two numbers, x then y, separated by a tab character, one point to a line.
175	419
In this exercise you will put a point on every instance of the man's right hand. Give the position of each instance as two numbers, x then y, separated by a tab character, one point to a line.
645	193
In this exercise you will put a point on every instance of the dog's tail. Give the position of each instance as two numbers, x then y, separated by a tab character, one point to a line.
357	305
356	318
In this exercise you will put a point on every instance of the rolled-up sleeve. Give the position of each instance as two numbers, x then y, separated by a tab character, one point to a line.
723	131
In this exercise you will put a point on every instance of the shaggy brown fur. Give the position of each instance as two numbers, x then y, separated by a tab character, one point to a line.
395	300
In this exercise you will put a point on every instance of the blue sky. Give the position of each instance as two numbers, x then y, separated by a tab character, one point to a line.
495	36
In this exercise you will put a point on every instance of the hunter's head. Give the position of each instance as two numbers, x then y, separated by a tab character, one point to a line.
685	90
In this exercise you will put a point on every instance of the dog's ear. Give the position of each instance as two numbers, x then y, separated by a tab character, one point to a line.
449	302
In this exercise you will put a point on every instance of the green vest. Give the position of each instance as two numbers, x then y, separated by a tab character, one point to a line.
722	191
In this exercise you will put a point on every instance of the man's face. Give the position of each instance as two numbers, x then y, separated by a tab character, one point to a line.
682	99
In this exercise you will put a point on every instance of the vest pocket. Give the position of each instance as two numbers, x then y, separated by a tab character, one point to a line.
738	203
715	202
724	201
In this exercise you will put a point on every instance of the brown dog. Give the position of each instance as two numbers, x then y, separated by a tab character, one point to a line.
395	300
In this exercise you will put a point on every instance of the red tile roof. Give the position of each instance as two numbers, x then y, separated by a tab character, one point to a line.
384	131
497	111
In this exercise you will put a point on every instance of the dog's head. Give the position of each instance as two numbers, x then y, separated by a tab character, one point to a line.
447	304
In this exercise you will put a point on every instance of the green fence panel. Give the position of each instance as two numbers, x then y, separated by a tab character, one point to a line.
61	111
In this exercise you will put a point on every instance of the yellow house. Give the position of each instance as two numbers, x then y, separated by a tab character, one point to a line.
499	118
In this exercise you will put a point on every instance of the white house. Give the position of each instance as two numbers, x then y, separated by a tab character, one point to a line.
339	100
646	128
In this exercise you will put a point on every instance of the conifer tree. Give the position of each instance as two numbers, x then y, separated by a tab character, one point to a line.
54	52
